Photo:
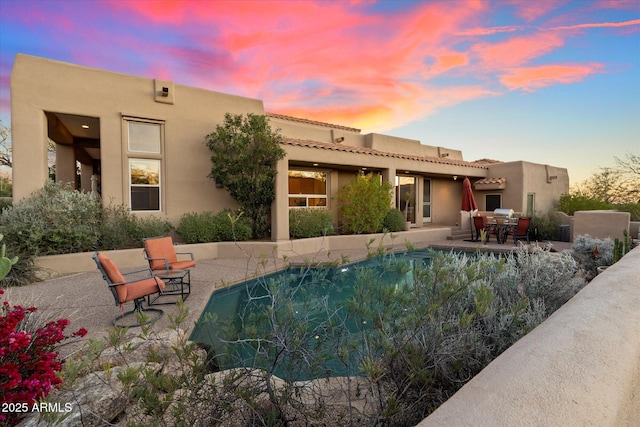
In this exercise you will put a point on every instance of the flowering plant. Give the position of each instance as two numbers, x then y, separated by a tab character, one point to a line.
28	361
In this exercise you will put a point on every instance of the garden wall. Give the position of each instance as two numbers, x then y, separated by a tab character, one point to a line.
579	367
134	258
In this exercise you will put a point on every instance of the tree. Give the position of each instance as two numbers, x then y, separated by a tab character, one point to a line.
364	202
629	169
245	152
617	185
5	146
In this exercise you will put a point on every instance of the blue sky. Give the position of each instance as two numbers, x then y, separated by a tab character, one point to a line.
554	82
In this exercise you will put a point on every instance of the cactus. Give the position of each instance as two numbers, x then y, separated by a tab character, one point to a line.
626	247
5	263
617	250
620	248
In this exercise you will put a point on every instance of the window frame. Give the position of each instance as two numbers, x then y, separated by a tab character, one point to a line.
144	156
308	196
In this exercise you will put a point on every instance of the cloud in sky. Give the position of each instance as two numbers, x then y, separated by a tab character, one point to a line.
372	65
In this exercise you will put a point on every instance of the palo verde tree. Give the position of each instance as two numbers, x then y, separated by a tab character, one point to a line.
245	151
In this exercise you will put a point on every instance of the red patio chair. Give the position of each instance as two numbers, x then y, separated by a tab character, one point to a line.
124	291
522	230
162	255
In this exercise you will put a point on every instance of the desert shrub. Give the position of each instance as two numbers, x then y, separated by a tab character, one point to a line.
310	222
632	208
545	227
197	227
54	220
570	203
591	253
5	203
122	229
364	203
204	227
393	220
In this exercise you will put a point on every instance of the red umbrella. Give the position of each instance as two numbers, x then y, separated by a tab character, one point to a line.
468	202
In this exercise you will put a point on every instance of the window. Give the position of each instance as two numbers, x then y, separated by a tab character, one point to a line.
144	178
144	151
144	137
307	189
493	202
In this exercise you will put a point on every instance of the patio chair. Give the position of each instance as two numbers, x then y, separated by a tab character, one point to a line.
162	255
136	290
480	222
522	230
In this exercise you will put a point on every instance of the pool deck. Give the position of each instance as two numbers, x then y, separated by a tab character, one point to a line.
83	298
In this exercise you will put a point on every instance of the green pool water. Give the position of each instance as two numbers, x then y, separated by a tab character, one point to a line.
307	307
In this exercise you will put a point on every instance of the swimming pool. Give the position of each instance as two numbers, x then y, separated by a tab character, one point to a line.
298	322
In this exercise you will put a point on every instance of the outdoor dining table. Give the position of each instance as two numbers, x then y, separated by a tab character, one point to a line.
502	229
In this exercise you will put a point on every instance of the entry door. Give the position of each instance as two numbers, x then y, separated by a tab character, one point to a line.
406	197
426	201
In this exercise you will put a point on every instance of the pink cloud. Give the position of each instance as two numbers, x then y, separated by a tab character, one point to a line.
532	10
633	22
531	78
517	50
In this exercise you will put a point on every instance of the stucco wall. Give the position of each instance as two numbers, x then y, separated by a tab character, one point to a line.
546	182
601	224
109	96
579	367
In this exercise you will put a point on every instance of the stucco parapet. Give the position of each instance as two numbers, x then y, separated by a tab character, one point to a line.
370	151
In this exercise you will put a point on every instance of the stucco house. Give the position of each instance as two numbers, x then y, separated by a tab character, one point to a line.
141	142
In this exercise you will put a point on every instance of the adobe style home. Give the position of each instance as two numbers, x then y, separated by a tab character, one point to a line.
140	142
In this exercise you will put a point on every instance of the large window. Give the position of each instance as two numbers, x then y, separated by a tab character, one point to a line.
144	151
307	189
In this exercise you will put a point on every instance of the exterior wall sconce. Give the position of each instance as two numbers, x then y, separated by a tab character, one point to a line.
455	177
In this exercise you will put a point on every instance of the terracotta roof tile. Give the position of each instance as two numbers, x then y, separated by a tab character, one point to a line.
311	122
500	180
487	161
370	151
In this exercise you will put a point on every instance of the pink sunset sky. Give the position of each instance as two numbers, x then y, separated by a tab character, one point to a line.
549	81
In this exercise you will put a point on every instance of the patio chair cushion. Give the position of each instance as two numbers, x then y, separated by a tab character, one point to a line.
182	265
128	291
142	288
160	249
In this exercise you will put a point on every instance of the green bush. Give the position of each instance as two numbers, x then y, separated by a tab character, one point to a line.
632	208
121	229
393	220
310	222
545	227
569	204
364	202
54	220
204	227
